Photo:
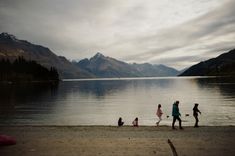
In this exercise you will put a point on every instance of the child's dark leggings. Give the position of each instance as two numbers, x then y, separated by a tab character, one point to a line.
196	122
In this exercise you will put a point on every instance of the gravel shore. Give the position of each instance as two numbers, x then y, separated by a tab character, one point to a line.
118	141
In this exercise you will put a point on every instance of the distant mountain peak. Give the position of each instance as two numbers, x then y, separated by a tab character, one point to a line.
8	36
105	66
98	54
11	48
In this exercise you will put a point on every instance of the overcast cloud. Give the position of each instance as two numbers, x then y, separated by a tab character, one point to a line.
177	33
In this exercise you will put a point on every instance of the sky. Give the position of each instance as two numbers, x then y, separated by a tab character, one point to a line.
177	33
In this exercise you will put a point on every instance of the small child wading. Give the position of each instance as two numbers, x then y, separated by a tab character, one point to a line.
159	114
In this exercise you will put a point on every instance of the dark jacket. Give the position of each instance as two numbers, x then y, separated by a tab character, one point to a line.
175	110
196	111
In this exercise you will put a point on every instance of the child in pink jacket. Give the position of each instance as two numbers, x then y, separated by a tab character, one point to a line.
159	114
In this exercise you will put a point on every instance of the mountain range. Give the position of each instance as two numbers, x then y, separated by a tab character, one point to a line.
103	66
223	65
97	66
11	48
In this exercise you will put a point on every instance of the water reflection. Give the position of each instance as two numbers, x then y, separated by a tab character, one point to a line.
103	88
224	84
23	100
96	88
103	102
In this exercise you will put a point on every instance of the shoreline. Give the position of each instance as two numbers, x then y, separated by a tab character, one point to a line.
101	140
41	125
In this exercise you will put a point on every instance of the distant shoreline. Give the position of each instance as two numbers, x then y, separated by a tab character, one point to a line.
19	82
140	78
90	126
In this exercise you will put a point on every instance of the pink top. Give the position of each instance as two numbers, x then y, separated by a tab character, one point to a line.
159	112
135	123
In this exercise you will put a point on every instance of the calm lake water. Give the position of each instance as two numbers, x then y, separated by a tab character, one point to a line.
103	101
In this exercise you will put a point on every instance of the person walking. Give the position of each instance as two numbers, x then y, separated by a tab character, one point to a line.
176	115
195	114
159	114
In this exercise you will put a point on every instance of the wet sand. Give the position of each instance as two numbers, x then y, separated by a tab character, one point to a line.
118	141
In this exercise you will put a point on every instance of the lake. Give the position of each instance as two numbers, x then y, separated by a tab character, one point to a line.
103	101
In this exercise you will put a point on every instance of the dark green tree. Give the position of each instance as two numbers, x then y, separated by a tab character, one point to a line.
23	70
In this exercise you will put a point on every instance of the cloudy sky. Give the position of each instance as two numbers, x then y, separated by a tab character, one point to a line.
177	33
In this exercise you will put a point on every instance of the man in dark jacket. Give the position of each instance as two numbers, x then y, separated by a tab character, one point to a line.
176	114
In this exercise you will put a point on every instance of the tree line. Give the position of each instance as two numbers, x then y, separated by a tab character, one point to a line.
25	70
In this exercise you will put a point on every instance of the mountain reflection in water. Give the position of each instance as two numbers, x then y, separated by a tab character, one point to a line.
103	101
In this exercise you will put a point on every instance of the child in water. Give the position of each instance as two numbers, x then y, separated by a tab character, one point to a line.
135	122
159	114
